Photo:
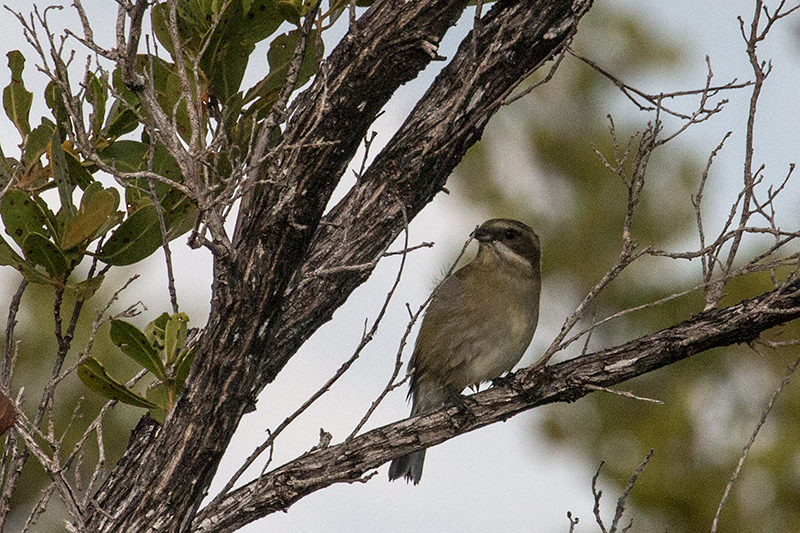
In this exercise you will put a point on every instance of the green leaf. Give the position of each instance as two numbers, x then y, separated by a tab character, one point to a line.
97	95
40	250
92	215
159	395
94	376
135	345
164	165
226	65
115	218
54	227
120	89
9	257
135	199
7	166
121	120
280	56
78	174
137	237
182	366
156	331
111	222
54	100
37	142
263	20
291	11
140	234
125	156
87	288
179	213
175	336
21	215
90	191
58	164
16	98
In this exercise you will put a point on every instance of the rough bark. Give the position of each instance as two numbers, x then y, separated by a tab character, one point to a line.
263	308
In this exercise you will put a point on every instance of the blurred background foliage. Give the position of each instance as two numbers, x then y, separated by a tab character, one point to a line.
75	406
711	402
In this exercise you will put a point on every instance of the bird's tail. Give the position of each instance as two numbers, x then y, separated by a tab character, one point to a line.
408	466
426	397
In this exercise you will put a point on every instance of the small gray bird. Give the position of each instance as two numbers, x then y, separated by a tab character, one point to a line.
477	326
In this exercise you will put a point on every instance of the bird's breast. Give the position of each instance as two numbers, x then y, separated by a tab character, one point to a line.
490	333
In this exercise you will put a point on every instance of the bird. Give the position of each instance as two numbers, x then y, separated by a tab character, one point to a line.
479	323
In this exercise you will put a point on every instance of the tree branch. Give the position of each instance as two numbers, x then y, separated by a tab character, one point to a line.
528	388
241	350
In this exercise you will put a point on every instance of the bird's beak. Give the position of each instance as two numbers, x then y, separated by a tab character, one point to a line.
481	235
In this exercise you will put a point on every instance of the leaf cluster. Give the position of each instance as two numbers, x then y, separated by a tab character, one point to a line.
53	242
161	350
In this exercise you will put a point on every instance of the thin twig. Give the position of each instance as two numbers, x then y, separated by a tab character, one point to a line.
173	294
620	509
11	323
746	449
656	100
365	340
597	494
572	522
623	393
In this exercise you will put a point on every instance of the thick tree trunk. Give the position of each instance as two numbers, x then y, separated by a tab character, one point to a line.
263	309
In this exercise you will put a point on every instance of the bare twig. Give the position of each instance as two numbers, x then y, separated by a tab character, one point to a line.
634	185
386	389
760	71
173	295
14	456
27	430
365	340
746	450
624	393
572	522
620	509
597	495
366	266
656	101
10	350
621	502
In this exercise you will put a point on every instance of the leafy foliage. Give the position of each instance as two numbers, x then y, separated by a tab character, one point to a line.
160	349
211	31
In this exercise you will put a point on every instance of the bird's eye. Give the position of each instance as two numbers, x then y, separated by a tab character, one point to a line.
511	234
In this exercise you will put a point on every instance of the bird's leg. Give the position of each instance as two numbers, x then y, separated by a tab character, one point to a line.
507	380
461	402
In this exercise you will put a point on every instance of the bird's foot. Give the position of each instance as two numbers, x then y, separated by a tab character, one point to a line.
506	380
510	381
462	403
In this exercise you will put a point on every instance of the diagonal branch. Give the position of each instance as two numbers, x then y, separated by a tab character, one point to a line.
524	390
258	317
